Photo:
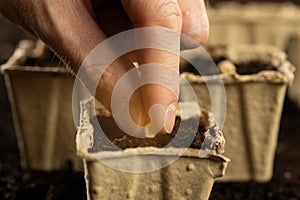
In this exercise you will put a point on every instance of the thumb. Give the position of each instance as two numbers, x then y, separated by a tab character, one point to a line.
194	21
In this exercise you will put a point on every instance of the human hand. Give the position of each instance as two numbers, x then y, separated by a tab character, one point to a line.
72	28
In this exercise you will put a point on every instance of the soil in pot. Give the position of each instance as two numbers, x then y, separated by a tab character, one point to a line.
119	140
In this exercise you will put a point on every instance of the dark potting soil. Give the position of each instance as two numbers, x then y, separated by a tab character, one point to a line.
116	139
206	67
253	68
247	64
16	183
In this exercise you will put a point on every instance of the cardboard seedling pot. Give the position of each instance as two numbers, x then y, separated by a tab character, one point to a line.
255	79
188	177
40	94
278	25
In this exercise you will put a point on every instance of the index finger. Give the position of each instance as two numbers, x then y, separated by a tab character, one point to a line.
160	65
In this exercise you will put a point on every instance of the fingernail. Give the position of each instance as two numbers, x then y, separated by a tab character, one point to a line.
157	116
170	118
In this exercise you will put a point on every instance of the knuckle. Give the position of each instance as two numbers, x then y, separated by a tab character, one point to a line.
168	14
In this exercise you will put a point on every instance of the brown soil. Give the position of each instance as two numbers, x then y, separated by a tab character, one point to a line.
117	137
242	69
253	68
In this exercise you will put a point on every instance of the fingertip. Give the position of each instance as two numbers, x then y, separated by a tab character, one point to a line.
204	34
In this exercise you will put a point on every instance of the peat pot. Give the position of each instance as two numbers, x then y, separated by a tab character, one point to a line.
255	79
40	94
120	166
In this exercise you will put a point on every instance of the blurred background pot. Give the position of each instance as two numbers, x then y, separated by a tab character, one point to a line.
276	24
255	78
40	93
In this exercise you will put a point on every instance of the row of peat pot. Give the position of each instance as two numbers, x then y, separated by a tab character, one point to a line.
245	23
253	78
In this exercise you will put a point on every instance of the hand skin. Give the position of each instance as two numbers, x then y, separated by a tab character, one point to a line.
72	28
